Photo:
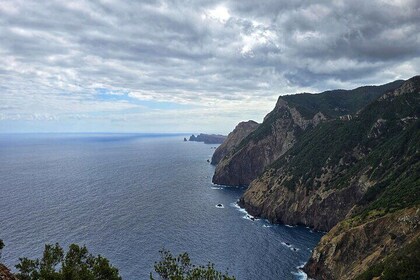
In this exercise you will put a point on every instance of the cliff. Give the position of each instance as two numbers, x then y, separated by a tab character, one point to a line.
269	141
332	166
362	248
380	236
355	174
234	138
281	128
5	273
208	138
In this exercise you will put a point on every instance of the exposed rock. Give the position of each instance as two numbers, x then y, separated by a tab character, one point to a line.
208	138
234	138
412	85
292	115
351	247
320	208
356	177
275	136
377	129
5	273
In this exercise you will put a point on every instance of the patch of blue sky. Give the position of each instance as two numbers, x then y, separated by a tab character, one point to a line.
103	94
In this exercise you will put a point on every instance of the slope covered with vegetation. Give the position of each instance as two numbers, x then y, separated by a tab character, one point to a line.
358	178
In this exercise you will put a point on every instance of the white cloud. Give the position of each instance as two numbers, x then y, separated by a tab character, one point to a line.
203	63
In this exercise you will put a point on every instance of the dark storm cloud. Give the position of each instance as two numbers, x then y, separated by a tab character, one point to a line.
203	51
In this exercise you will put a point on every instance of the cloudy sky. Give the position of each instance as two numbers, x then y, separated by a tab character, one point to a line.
190	66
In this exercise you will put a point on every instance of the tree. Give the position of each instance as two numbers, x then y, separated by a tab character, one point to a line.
77	264
180	268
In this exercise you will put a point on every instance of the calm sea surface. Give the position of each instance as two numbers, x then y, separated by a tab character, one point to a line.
126	196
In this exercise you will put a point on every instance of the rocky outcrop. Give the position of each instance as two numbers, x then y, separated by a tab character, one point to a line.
5	273
241	131
352	247
319	208
358	178
275	136
292	115
208	138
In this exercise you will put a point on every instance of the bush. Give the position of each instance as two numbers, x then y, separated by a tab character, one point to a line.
180	268
77	264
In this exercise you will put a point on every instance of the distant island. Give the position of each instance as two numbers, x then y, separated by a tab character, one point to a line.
208	138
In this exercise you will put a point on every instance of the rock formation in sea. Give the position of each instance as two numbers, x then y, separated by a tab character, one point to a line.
208	138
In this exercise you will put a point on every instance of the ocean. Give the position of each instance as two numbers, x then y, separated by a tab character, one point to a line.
126	196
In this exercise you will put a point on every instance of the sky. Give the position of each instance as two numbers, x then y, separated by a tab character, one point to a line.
190	66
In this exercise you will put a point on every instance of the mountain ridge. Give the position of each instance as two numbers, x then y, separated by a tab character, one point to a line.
282	126
345	175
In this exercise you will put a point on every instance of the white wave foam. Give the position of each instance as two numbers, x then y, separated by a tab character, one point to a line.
242	210
250	217
300	273
286	244
235	205
216	188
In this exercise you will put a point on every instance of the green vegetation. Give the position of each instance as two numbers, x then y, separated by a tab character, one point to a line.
180	268
77	264
402	265
398	171
336	103
331	103
349	147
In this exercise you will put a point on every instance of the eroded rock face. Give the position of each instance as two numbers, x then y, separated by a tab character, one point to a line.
234	138
350	248
5	273
275	136
320	208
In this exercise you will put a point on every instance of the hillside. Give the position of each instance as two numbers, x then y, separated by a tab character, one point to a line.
292	115
357	177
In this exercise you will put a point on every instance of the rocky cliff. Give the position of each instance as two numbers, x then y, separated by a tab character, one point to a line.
242	130
332	166
291	116
356	176
268	142
5	273
355	246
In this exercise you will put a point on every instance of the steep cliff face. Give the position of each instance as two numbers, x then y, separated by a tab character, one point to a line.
320	208
354	246
356	176
242	130
280	129
5	273
265	144
332	166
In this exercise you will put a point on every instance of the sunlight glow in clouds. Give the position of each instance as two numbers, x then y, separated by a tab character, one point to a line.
220	13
